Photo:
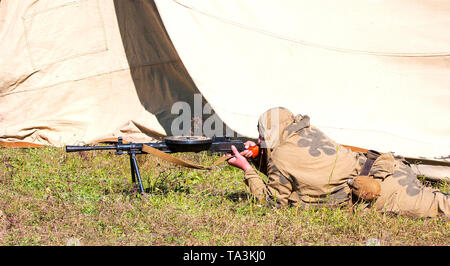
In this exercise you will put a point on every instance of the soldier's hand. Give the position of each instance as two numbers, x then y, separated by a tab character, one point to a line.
247	153
238	160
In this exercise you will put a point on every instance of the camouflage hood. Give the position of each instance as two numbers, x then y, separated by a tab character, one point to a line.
276	124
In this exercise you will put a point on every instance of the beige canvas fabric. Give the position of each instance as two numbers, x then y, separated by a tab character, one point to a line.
306	167
72	72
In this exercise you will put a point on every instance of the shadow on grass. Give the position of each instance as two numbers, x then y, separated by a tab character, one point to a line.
163	189
238	196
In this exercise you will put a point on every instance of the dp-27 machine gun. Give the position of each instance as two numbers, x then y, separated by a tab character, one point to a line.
172	144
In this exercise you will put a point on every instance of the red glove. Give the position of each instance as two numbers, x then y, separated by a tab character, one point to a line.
251	149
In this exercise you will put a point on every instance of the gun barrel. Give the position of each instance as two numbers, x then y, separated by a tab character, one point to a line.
88	148
123	147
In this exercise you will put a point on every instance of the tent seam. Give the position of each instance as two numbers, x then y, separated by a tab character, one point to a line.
93	76
310	44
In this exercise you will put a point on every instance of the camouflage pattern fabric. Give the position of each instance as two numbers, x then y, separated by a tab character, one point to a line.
402	193
305	167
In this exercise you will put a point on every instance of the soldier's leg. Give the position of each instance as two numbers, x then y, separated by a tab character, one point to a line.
402	193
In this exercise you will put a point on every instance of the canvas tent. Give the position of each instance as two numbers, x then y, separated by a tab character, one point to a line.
76	71
372	73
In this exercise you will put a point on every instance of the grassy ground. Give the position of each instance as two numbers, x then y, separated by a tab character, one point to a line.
49	197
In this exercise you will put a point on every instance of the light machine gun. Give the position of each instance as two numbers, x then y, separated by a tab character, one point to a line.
172	144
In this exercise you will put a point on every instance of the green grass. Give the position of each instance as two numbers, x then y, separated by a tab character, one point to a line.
49	197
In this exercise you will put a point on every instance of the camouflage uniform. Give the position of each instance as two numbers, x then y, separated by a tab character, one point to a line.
304	167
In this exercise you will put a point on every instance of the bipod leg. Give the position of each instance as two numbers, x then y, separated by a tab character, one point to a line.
133	174
135	169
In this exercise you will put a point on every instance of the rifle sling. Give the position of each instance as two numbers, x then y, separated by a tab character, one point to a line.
371	157
172	159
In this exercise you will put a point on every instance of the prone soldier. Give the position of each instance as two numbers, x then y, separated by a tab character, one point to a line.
305	167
